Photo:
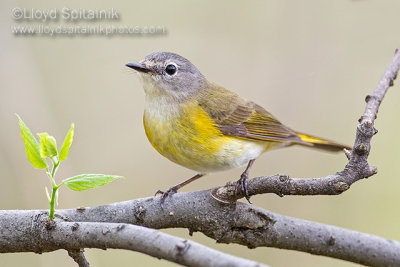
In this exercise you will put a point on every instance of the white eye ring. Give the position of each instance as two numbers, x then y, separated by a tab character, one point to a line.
171	68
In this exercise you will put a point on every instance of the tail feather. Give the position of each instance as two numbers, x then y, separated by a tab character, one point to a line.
322	143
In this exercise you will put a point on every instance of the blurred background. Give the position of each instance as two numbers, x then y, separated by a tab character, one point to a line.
310	63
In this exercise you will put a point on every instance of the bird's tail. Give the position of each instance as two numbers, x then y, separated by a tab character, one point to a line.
321	143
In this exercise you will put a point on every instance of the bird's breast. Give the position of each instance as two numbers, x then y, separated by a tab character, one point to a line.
186	135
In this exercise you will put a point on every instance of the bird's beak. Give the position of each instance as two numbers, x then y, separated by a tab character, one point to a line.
139	67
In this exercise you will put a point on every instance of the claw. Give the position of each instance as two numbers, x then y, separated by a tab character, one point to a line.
175	188
159	192
237	188
241	184
165	194
242	187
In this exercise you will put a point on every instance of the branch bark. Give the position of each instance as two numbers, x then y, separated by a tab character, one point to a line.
197	211
220	216
31	231
78	256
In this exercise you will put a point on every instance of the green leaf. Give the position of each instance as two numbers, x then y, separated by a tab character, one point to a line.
88	181
51	146
48	145
31	146
67	143
43	150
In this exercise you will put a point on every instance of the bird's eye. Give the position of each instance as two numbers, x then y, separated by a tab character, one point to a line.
170	69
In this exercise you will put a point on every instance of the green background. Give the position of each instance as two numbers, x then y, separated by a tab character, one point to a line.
310	63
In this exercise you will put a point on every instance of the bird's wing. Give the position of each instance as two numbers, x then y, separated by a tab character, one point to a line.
235	116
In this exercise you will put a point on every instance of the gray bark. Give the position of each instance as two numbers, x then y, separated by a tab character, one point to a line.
31	231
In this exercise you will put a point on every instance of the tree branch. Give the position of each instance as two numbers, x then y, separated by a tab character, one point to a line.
31	231
226	223
221	217
78	256
356	169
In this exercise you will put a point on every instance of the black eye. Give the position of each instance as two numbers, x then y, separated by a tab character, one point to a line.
170	69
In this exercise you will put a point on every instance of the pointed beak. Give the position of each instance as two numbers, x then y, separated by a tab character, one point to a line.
139	67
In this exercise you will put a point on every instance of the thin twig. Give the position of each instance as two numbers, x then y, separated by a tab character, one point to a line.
356	169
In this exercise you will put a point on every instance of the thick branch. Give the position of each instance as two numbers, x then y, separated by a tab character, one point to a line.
22	231
227	223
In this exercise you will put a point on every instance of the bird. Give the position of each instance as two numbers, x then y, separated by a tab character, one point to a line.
205	127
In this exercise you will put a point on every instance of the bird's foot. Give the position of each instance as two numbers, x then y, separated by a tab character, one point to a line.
241	186
166	194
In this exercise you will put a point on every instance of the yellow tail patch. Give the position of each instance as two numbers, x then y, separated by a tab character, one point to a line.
322	143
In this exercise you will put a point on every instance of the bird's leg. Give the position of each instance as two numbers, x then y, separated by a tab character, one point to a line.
241	184
175	188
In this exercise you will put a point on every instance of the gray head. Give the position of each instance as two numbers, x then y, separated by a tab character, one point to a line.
169	75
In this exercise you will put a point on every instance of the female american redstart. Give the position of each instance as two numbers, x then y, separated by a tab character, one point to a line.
205	127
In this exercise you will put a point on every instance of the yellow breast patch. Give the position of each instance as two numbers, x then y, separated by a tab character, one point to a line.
190	138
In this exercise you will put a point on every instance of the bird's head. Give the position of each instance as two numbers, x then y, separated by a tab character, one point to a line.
169	75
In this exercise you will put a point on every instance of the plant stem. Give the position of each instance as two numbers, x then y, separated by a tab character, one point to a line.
55	166
52	201
56	162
